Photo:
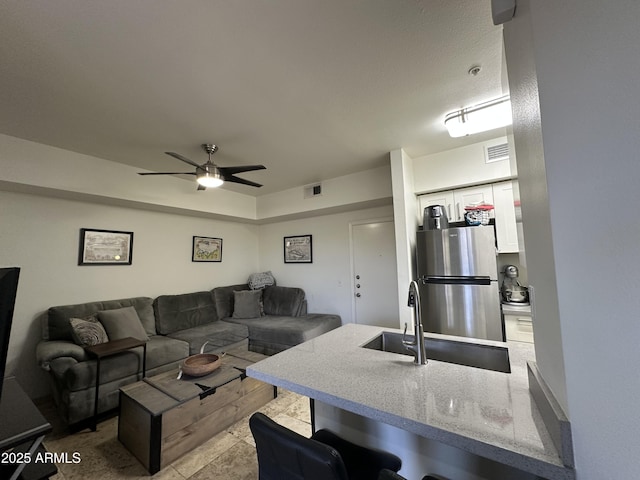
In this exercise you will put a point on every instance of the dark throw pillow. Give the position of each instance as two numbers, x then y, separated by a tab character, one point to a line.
247	304
122	323
88	331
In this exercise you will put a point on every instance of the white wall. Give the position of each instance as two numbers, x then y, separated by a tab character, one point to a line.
534	199
405	208
33	167
586	59
48	194
41	235
366	186
458	167
327	281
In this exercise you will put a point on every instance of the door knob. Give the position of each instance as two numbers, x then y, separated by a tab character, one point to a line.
358	295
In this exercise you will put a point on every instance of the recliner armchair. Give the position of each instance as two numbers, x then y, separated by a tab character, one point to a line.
287	455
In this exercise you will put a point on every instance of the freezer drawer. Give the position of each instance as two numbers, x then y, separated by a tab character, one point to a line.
463	310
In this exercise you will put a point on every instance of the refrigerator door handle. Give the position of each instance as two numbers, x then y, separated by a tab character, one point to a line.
482	280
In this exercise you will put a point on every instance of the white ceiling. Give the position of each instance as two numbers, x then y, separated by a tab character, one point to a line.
312	89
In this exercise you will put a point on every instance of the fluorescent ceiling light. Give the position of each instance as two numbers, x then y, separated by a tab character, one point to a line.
479	118
210	178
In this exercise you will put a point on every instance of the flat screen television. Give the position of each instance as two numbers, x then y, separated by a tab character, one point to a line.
8	289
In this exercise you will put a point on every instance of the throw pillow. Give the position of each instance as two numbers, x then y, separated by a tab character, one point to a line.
88	331
247	303
122	323
260	280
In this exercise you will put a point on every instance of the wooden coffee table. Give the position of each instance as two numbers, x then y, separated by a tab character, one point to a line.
162	418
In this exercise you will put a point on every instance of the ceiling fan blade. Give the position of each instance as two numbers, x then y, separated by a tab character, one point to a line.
201	187
232	179
240	169
166	173
183	159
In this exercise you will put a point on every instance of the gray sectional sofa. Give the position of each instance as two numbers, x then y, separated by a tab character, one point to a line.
176	326
285	322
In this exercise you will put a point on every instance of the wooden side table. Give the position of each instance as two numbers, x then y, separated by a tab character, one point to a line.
107	349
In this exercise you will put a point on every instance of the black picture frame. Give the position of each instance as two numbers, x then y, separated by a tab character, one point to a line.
298	249
206	249
105	247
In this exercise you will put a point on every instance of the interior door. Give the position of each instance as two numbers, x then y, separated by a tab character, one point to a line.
375	288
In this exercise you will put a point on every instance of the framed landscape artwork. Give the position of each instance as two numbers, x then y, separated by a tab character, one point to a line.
298	249
206	249
105	247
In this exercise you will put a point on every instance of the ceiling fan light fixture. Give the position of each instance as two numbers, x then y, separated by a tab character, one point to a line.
208	175
210	179
479	118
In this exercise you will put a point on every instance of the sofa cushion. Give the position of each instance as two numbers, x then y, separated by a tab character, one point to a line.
179	312
218	335
224	299
283	301
162	350
88	331
59	328
284	331
122	323
247	304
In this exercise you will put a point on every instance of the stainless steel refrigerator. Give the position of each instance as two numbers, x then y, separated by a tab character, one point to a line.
458	278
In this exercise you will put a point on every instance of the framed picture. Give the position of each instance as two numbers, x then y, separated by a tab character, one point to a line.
206	249
105	247
298	249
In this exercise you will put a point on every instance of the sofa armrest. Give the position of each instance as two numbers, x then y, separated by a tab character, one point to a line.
47	351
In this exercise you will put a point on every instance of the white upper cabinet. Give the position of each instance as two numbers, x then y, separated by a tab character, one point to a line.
500	195
506	230
440	198
454	201
466	197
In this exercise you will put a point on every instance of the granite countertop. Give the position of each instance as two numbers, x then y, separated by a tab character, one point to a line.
487	413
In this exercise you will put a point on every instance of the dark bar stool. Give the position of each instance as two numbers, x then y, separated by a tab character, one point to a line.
287	455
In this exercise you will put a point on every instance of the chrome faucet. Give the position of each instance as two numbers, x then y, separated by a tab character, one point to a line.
416	347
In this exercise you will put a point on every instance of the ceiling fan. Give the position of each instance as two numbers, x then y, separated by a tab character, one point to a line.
209	174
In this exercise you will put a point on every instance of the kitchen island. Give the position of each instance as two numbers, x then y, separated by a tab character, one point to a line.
476	412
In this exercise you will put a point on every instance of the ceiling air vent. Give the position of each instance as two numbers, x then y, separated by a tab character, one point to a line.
312	190
495	153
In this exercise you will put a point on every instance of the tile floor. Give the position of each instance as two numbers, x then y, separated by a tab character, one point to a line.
229	455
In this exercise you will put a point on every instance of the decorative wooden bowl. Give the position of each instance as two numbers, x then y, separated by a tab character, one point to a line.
200	364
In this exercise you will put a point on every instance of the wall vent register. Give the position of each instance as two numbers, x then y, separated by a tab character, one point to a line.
312	190
496	153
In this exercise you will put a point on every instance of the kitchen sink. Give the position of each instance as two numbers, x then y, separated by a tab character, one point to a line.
488	357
